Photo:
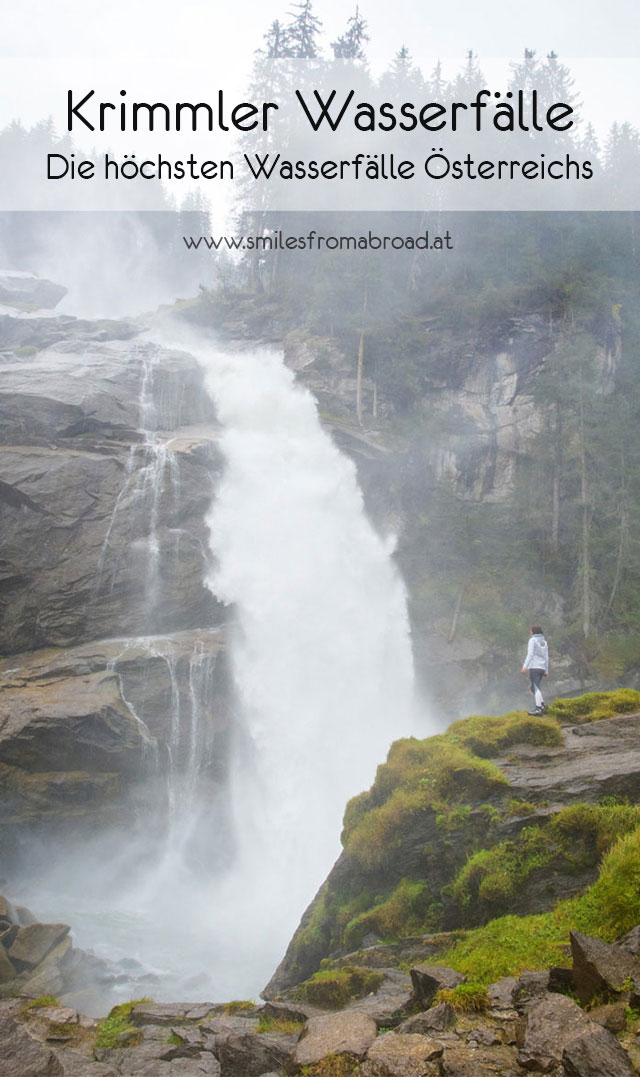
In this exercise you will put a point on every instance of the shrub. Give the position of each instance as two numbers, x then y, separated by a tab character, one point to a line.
117	1024
333	988
471	997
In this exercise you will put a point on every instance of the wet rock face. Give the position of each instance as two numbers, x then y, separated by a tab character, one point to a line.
108	463
25	290
108	468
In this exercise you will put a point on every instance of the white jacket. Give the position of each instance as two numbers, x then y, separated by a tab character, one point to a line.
537	654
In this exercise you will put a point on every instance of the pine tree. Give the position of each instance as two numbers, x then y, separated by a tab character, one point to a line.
350	45
302	32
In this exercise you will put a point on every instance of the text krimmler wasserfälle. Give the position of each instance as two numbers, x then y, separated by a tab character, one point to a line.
510	111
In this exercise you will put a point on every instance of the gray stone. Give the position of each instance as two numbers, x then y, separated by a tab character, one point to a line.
501	994
427	980
249	1054
480	1062
335	1034
596	1054
25	290
600	967
559	1032
631	941
20	1054
397	1055
168	1013
389	1002
437	1019
612	1016
33	943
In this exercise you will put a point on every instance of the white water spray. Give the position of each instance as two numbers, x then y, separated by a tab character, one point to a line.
322	658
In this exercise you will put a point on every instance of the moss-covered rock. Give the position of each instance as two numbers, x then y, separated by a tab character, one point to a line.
494	816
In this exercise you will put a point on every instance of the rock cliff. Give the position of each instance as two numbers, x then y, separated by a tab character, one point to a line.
108	632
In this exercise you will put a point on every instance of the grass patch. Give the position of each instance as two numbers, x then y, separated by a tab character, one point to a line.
333	988
117	1024
508	945
41	1002
571	841
285	1025
488	737
419	776
594	706
332	1066
404	912
238	1005
465	998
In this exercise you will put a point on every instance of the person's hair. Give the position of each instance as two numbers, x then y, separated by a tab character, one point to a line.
537	631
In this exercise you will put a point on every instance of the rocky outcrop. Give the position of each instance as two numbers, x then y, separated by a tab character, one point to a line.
38	959
592	761
108	461
519	1028
26	291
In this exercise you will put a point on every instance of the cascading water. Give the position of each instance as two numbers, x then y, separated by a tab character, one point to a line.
323	682
321	657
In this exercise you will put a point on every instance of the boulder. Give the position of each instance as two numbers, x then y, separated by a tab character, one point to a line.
398	1055
596	1054
438	1019
555	1027
249	1054
631	941
26	290
168	1013
427	980
20	1054
34	942
502	993
612	1016
601	967
49	977
393	998
480	1062
345	1033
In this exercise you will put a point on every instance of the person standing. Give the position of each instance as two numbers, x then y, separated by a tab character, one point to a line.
537	664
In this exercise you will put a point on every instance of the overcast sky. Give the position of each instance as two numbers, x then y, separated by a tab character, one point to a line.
226	32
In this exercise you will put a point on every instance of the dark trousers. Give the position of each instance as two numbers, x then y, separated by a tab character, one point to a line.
535	679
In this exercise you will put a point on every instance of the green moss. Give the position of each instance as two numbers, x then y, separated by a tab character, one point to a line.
402	913
488	737
117	1025
285	1025
593	706
517	808
471	997
433	774
333	988
575	838
237	1005
174	1039
495	876
41	1002
509	944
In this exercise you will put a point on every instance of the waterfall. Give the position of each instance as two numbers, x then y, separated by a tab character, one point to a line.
321	656
321	663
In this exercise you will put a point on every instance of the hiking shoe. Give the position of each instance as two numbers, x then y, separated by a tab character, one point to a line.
538	711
